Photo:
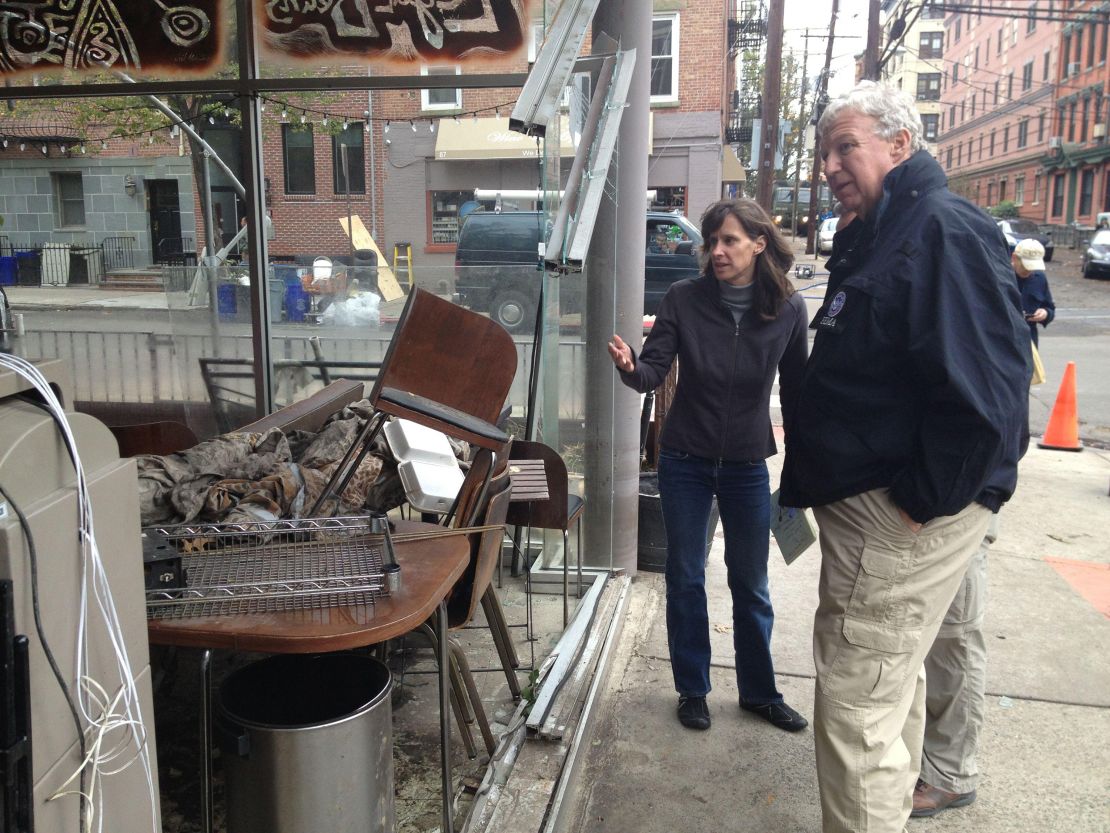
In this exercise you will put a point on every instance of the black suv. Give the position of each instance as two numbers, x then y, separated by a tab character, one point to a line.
497	257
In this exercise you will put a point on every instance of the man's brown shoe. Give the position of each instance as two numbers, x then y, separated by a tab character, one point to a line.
928	800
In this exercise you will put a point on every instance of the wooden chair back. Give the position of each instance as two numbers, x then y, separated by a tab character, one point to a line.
551	513
449	355
485	552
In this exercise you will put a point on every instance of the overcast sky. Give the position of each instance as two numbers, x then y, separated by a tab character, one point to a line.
851	33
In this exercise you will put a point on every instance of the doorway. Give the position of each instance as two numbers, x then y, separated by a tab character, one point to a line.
167	244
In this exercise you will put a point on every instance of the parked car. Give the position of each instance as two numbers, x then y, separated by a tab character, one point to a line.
1018	229
497	263
825	234
1096	257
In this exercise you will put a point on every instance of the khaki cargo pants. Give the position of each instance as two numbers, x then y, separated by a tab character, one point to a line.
956	682
883	593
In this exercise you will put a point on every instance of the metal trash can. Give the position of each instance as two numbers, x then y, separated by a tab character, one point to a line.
307	744
651	543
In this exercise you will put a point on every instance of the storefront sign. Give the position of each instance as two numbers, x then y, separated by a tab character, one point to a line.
400	31
94	35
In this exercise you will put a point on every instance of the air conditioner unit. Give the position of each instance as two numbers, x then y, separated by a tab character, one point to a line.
1098	131
1073	68
1055	142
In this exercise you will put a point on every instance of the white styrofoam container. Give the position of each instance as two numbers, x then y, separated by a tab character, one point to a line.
410	440
430	487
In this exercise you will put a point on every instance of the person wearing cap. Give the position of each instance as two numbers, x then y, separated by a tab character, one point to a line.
1036	298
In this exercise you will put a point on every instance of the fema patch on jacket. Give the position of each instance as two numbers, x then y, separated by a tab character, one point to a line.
829	321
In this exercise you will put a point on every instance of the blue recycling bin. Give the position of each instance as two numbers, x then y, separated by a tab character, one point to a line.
226	304
7	271
297	301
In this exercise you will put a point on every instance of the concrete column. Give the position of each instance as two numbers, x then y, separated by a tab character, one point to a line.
615	303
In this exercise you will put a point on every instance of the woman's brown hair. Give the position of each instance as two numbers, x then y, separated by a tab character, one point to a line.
772	287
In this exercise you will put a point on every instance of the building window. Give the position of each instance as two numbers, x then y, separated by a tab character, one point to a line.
999	50
1065	53
931	45
973	105
1002	190
1019	189
1027	76
928	86
1057	195
1040	129
1031	19
996	91
445	99
1023	133
990	193
664	58
930	122
957	35
69	196
980	147
1047	62
1084	119
955	74
1006	138
948	158
297	158
1091	28
1086	191
1106	193
963	112
1102	44
1010	86
959	153
347	160
1071	122
977	57
1036	188
951	116
992	143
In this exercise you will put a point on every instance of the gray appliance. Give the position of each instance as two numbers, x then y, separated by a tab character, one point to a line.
36	471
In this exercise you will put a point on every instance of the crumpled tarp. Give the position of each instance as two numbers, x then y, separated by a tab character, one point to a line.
266	476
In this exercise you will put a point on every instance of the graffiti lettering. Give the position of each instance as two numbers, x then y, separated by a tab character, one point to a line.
395	30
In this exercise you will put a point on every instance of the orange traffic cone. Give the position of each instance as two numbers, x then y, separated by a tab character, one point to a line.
1062	433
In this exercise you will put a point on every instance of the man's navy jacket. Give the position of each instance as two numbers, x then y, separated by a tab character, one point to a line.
919	376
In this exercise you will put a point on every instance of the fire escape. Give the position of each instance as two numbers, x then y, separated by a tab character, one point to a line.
747	29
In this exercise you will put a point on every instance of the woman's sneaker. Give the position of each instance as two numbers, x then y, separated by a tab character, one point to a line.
693	712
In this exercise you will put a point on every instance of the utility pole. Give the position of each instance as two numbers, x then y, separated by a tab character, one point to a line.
800	144
871	53
818	108
772	95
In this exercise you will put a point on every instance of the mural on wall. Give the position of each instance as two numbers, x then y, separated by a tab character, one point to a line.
401	31
92	35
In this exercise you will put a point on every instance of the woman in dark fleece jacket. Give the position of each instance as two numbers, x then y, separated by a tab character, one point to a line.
730	328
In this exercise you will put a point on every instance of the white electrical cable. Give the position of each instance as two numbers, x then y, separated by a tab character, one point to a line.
105	715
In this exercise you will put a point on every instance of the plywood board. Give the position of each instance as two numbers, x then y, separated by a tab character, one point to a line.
388	286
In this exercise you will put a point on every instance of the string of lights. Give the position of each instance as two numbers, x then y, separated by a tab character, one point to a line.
54	131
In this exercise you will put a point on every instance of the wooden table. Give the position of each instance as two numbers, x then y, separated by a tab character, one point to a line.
429	569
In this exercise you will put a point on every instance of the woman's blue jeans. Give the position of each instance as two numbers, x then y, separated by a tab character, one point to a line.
687	485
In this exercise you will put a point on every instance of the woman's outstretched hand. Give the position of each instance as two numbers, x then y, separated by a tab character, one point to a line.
621	354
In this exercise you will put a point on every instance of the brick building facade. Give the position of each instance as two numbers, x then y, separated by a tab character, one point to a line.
999	84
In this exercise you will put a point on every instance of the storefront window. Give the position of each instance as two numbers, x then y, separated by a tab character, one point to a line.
449	209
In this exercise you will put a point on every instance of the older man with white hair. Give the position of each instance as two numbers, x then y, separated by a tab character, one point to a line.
905	438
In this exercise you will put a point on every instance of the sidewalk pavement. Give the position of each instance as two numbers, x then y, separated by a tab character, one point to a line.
1045	759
